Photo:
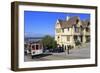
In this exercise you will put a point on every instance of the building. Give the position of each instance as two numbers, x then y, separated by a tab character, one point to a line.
71	31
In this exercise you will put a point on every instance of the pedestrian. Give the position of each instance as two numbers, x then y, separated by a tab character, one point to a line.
65	50
68	47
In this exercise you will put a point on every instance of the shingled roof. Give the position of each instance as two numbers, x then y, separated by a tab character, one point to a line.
63	23
72	21
69	23
85	23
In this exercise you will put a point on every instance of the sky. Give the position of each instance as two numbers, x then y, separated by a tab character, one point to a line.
39	24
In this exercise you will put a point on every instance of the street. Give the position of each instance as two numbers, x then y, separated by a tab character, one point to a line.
77	53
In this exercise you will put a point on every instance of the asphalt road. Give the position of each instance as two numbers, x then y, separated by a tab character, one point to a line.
78	53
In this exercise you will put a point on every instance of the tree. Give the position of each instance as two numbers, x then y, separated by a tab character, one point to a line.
49	42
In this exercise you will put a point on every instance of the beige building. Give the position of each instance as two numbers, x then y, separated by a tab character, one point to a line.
71	31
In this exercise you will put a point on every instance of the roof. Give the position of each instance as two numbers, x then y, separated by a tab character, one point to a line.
85	23
62	23
72	21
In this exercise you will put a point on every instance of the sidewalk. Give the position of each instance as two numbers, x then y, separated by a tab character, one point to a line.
83	51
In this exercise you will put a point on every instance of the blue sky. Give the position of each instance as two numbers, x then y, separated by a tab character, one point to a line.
37	24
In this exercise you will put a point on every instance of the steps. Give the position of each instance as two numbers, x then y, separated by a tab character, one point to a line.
83	45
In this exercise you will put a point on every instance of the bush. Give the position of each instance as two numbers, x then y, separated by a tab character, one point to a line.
87	40
70	47
77	43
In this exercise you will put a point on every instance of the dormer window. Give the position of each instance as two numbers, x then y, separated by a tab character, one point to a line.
58	37
88	24
81	27
77	21
57	22
68	28
87	29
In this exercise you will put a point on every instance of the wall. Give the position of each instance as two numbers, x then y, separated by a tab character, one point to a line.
5	40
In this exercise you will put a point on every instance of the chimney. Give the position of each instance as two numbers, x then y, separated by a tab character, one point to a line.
67	18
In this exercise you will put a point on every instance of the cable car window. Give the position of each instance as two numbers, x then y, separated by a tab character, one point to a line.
37	47
33	47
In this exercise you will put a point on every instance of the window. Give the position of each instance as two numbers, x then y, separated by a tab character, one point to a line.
58	30
57	22
77	21
75	38
58	38
37	47
88	24
33	47
87	29
68	28
68	38
62	29
76	29
81	28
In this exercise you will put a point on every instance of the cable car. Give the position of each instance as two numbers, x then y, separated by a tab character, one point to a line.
36	49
